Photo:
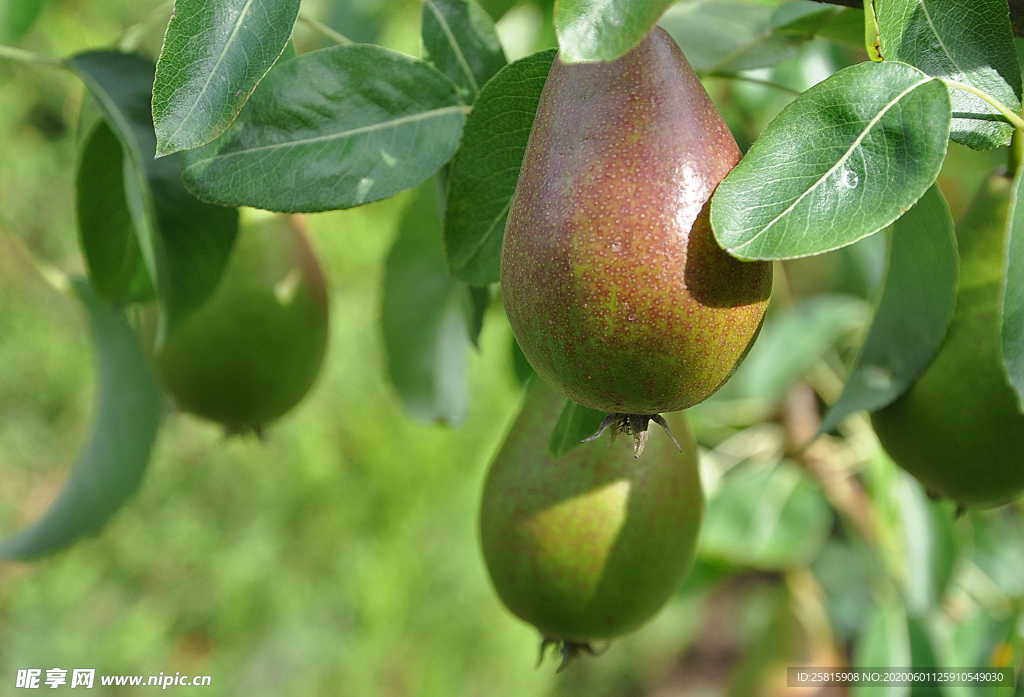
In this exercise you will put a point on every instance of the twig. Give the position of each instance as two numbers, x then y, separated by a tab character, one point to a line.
29	58
324	30
1016	11
802	422
739	77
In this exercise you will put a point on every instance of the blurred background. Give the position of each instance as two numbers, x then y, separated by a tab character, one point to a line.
340	556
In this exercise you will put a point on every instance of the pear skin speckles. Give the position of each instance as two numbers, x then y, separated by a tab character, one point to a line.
613	283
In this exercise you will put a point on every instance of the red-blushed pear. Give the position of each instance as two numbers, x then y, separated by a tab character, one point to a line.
614	285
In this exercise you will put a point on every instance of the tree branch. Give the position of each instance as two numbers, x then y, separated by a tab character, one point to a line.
1016	11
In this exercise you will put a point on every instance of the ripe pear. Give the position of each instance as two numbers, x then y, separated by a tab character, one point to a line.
614	285
253	350
958	429
592	544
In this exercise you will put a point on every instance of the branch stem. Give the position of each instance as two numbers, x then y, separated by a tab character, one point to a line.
28	58
324	30
739	77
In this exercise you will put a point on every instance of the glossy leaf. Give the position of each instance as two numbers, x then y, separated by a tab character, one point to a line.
968	41
105	229
766	518
1013	299
334	128
17	18
913	312
110	468
575	423
603	30
423	318
184	242
790	343
215	53
486	167
844	160
461	42
722	36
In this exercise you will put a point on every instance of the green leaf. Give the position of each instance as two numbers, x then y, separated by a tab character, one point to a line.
110	468
968	41
185	243
575	423
766	518
997	550
335	128
913	313
790	343
723	36
844	160
603	30
423	317
486	167
17	17
478	299
929	548
215	53
105	228
884	642
1013	293
461	42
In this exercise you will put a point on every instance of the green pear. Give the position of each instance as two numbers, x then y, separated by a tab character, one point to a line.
253	350
959	429
592	544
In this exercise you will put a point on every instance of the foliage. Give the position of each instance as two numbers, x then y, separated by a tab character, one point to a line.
352	515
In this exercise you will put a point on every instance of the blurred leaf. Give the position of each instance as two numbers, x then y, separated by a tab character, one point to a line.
110	468
913	313
822	174
847	572
592	30
334	128
803	18
722	36
423	318
461	41
215	52
884	642
998	549
521	367
575	423
1013	298
184	242
791	342
106	232
968	41
769	647
766	518
486	168
929	546
478	299
17	18
846	27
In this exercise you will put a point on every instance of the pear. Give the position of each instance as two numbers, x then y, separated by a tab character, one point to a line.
590	545
959	429
253	350
613	283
